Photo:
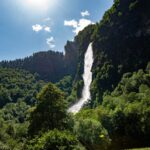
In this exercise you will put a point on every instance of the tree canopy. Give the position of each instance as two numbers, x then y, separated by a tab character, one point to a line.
51	110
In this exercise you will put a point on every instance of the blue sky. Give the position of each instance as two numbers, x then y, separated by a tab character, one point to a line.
28	26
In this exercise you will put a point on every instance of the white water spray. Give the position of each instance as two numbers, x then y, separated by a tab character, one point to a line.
87	77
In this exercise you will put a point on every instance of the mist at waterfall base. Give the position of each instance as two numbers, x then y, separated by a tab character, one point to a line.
87	78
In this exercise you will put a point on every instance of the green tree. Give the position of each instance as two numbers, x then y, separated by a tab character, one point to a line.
50	112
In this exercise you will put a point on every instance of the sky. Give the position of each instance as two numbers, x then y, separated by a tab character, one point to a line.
29	26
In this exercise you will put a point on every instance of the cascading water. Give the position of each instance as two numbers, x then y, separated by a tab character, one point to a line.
87	77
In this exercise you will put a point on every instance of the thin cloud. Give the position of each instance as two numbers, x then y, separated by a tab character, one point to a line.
47	29
50	42
78	25
85	13
37	27
73	23
47	19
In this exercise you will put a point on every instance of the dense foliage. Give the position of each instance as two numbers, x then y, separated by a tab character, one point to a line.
54	140
129	110
13	126
18	90
18	85
65	85
124	113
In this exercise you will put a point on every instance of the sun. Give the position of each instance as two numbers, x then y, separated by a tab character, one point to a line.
39	5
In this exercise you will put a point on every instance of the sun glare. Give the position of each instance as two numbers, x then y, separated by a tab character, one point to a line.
39	5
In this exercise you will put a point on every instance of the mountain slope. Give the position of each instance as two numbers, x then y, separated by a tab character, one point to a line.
51	66
120	44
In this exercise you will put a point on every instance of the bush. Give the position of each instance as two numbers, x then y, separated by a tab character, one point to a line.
54	140
91	133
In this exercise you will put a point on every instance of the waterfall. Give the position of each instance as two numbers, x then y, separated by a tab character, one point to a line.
87	78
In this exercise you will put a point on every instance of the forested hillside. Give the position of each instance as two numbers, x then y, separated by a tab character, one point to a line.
120	44
17	85
18	90
123	115
51	66
34	113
